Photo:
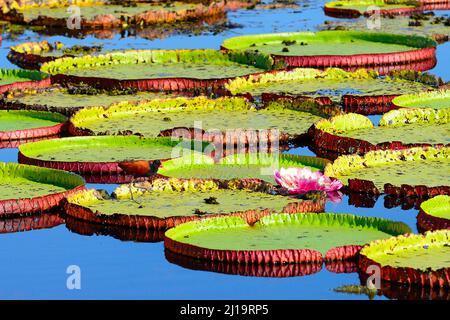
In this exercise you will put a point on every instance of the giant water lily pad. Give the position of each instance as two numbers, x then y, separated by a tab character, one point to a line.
108	14
356	8
356	49
353	133
238	166
69	100
220	119
362	90
102	156
26	189
22	125
434	100
31	55
162	203
10	78
158	69
434	214
411	259
279	238
408	172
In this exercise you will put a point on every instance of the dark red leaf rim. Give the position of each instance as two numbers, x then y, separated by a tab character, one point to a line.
26	84
427	222
150	223
30	134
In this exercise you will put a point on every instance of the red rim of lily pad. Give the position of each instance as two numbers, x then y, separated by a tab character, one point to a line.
384	157
149	17
407	275
28	223
114	171
339	12
23	79
57	68
118	232
11	144
315	202
324	135
426	220
34	133
35	205
420	59
277	256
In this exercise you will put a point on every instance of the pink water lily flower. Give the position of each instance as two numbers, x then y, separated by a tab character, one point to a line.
302	180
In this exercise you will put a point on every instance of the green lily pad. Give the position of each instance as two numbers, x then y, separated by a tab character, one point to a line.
395	167
25	182
11	120
238	166
9	76
421	25
362	5
150	118
409	126
104	149
424	253
438	206
160	64
333	83
319	232
435	100
327	43
67	101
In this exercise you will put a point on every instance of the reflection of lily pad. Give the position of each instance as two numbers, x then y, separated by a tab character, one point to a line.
434	214
356	49
163	203
220	119
100	155
12	79
31	55
363	89
29	223
279	238
411	259
68	101
27	189
168	70
22	125
408	172
434	100
238	166
352	133
100	14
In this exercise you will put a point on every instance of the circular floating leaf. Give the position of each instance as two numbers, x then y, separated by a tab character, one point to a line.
31	55
105	156
356	8
116	15
13	79
408	172
411	259
69	100
150	70
435	100
352	133
27	190
226	120
279	238
434	214
379	51
22	125
163	203
238	166
361	91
